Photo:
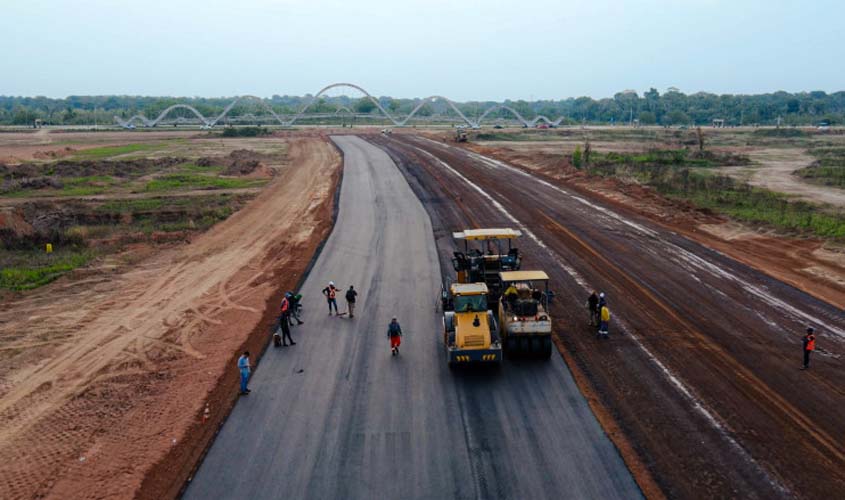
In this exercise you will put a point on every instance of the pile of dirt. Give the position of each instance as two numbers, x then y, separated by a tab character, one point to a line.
13	224
241	162
53	154
84	168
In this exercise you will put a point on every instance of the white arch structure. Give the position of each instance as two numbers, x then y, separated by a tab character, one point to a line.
211	122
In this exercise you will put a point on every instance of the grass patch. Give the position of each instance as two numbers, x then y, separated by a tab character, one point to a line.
131	206
109	151
787	133
193	167
245	132
39	268
178	182
828	169
736	199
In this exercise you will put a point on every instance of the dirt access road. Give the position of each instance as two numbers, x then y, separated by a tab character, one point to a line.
701	374
104	379
774	168
337	416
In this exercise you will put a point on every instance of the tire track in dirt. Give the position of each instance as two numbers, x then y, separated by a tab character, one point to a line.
148	345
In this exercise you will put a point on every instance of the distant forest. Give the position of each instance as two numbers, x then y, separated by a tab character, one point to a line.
669	108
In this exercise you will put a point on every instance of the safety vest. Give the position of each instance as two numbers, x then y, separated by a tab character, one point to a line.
605	314
285	305
332	291
811	342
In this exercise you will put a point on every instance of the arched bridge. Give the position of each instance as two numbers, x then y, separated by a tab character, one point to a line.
287	122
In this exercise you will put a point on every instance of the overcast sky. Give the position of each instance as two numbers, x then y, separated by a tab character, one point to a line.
462	49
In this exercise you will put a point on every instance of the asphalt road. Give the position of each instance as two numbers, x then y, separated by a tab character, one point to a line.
336	416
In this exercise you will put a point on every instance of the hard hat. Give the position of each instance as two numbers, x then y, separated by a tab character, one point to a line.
601	295
810	329
331	283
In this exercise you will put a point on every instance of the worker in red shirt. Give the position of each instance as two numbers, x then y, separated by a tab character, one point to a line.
809	344
394	333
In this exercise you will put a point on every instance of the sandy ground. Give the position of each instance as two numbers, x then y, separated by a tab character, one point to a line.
773	169
105	374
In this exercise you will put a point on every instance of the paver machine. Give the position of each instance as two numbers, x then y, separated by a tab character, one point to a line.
525	324
486	253
470	332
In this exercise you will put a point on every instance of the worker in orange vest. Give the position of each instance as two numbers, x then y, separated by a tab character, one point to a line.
284	326
809	343
331	296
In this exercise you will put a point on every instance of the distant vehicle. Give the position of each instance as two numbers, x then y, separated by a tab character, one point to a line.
386	131
498	126
460	134
543	125
823	126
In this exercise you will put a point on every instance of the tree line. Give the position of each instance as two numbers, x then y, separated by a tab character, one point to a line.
671	107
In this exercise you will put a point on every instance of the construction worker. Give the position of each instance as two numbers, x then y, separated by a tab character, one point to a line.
593	307
244	368
283	324
331	296
351	295
604	313
809	344
511	294
295	307
284	308
394	333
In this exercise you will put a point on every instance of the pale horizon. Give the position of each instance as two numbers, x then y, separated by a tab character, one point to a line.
475	51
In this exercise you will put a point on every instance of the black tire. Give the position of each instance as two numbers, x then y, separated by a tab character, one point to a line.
547	348
511	345
524	346
536	345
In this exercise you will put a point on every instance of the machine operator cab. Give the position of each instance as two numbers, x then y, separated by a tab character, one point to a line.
486	253
470	332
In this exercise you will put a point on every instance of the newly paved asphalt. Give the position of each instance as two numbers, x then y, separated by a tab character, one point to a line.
336	416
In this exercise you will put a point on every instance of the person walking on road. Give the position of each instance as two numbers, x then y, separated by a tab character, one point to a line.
351	296
809	344
605	320
593	308
244	368
394	333
331	296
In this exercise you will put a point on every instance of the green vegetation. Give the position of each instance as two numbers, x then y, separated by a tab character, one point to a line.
781	133
109	151
34	269
175	182
650	107
828	169
193	167
245	132
672	177
131	206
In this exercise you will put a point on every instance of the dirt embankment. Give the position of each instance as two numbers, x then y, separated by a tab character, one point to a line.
805	263
105	377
